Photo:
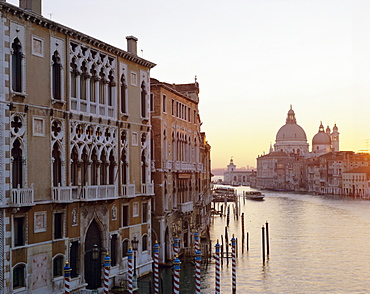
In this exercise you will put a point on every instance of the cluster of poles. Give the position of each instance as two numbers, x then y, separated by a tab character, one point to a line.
219	255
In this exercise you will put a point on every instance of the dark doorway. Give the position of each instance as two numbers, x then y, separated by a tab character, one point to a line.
93	266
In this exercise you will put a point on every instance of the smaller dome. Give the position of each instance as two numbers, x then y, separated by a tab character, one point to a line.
321	138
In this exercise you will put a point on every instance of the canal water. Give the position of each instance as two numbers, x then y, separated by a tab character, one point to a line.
318	244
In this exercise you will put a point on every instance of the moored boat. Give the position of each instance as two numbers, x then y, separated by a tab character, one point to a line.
221	194
254	195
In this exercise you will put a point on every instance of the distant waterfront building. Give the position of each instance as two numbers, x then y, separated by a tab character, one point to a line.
284	166
356	182
234	176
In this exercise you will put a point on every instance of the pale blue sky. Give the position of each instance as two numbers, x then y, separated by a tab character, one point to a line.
252	59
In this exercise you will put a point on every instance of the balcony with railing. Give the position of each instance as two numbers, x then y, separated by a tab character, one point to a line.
98	192
147	189
128	191
62	194
22	196
186	207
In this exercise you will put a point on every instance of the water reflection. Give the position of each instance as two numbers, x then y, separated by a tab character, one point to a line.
317	244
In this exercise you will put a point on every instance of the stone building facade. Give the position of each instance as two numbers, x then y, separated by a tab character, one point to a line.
180	166
74	154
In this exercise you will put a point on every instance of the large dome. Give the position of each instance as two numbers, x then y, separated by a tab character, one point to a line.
291	132
321	139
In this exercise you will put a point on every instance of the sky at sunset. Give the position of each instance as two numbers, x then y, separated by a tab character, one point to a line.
253	59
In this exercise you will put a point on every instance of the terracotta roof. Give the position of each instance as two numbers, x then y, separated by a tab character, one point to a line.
359	170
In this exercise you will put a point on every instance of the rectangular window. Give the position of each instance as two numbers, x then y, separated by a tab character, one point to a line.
113	250
74	260
58	225
195	117
125	216
164	103
173	107
19	231
145	212
151	102
189	114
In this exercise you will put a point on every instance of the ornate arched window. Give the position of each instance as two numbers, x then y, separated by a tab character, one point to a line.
58	262
17	170
143	100
17	66
57	166
56	76
74	167
83	81
123	94
93	81
74	78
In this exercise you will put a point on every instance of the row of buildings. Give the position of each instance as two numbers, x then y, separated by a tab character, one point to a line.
324	170
94	154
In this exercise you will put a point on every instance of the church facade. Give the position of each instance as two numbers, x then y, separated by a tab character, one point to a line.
284	167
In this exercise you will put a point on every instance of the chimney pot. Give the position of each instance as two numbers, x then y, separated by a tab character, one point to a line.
31	5
132	44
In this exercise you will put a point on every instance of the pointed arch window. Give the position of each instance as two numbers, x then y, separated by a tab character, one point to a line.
111	85
17	73
103	169
94	168
57	166
111	169
83	81
93	84
74	167
123	94
124	167
73	79
57	76
101	88
143	100
17	172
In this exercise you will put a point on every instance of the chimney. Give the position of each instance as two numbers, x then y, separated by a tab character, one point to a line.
132	44
31	5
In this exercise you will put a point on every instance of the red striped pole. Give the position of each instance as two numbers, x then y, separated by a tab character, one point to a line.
217	256
106	273
233	264
130	271
175	247
176	276
196	241
67	278
198	259
156	268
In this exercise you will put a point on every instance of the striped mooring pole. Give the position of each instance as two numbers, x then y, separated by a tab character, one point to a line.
196	241
156	267
130	271
198	259
67	278
175	247
176	275
217	256
233	244
106	273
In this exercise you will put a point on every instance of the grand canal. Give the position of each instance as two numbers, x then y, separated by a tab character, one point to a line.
317	244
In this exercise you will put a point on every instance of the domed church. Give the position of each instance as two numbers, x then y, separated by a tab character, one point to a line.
291	138
325	141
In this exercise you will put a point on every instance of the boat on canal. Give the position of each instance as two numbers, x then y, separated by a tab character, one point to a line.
222	194
254	195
